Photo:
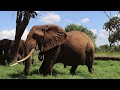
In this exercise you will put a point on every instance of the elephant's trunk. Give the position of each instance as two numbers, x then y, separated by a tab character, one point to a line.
24	58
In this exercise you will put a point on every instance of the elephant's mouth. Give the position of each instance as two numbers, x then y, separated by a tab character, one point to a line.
24	58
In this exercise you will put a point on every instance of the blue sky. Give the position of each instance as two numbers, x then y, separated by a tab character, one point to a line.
93	20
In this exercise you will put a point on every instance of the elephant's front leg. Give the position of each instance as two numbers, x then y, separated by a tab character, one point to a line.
49	61
27	66
46	68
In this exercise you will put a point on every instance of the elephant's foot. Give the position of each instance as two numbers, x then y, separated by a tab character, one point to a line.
45	72
26	72
40	58
91	70
72	71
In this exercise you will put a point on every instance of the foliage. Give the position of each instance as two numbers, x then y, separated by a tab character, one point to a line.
106	48
72	27
103	48
113	26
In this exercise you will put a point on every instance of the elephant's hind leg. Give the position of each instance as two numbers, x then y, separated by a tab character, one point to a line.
73	69
89	62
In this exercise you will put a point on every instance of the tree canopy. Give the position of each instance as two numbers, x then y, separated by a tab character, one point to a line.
113	26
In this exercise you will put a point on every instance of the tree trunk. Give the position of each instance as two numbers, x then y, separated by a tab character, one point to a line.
20	28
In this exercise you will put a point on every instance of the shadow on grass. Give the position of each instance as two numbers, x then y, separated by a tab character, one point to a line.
84	75
17	76
35	72
54	72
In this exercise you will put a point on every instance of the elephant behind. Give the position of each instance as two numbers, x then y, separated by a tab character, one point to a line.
78	49
5	46
5	49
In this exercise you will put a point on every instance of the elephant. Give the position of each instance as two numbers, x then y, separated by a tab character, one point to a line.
72	48
5	46
5	49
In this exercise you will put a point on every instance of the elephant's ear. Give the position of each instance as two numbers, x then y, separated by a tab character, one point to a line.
53	37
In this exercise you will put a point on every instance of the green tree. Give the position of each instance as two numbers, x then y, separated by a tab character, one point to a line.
72	27
104	48
113	26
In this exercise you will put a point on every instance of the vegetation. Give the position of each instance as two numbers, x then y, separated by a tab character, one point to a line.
106	48
102	70
113	26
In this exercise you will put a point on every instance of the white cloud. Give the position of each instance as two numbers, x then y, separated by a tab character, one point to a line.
102	38
37	12
103	34
101	41
118	14
68	21
51	18
94	31
24	36
10	34
85	20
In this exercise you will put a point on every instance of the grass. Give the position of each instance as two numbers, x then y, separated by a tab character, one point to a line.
114	54
102	70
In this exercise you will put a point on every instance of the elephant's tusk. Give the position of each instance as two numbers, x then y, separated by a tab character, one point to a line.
14	64
24	58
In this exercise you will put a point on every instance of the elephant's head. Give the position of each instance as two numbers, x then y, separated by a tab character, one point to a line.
45	36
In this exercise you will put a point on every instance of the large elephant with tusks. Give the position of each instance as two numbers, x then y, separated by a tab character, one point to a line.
72	48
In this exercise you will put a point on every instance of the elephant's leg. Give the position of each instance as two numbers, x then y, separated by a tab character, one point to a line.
49	61
73	69
8	60
90	69
42	68
89	62
40	56
65	65
32	59
2	61
27	66
46	67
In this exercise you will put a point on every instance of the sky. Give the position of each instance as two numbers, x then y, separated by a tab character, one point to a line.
92	20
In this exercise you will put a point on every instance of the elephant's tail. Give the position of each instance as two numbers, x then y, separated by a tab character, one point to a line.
89	55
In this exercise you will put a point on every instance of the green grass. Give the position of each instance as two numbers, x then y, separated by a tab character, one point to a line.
102	70
114	54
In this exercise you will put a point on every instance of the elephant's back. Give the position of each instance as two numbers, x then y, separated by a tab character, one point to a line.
73	49
78	39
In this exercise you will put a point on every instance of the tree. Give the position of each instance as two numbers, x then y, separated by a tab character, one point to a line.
71	27
103	48
113	26
22	20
